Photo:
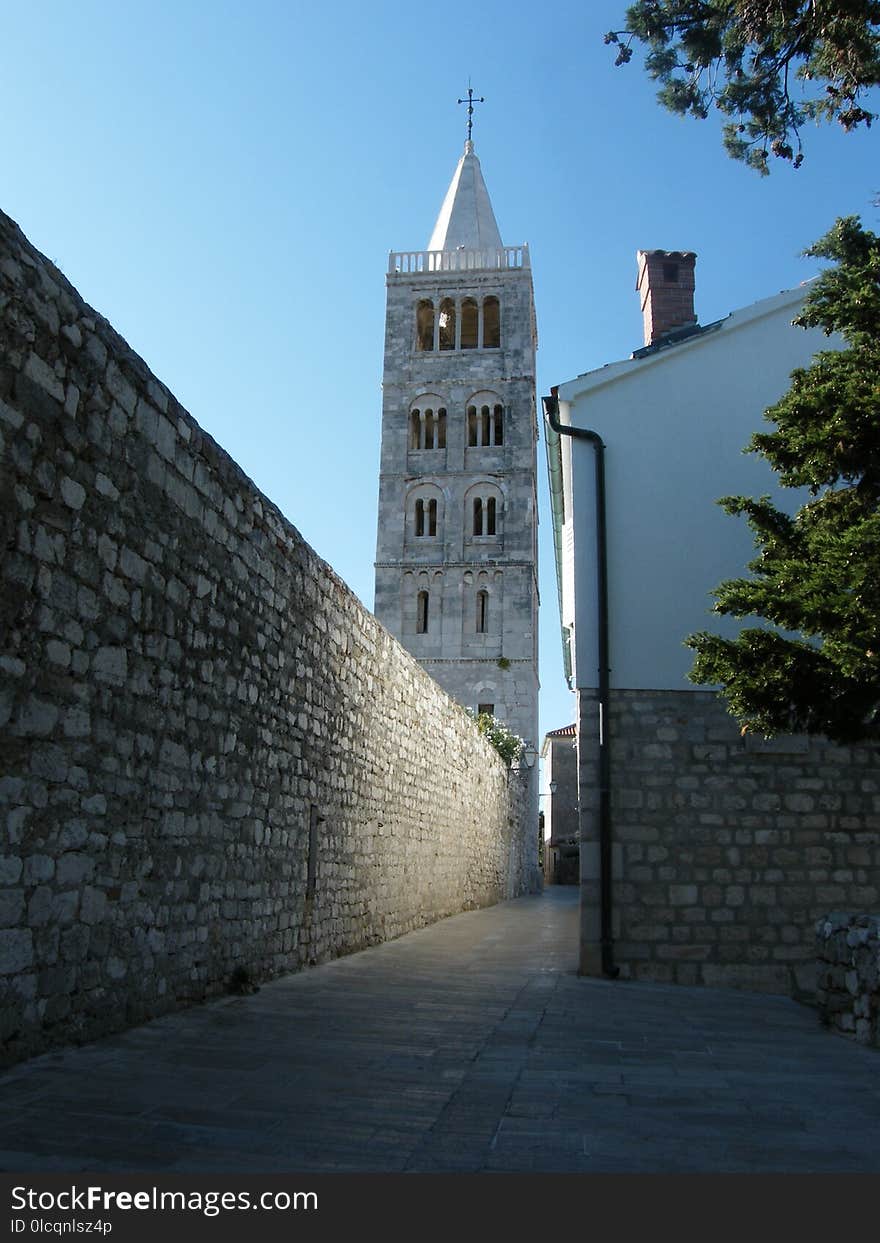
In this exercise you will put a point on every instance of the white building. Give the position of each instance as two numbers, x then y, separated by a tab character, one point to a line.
672	806
675	419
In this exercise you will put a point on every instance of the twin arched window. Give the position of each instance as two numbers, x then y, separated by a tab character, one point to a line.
425	517
485	513
463	324
425	513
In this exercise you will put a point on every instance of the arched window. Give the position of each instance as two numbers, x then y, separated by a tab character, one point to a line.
425	517
447	324
485	425
425	325
472	426
478	515
470	320
422	613
485	515
482	612
491	324
427	428
479	325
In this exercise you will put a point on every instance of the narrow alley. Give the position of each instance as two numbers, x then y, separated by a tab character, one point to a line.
469	1046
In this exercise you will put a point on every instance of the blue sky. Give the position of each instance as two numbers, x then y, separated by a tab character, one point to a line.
224	181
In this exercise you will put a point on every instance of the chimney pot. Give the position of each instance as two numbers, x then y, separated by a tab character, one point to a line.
666	288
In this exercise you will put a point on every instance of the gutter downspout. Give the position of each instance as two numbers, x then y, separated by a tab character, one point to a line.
551	413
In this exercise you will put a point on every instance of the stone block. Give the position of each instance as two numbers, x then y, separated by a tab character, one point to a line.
76	723
166	438
36	718
74	944
73	868
10	869
864	1031
72	493
64	907
132	566
120	388
11	907
105	486
42	374
7	703
73	334
37	870
93	906
799	802
58	653
39	910
110	664
16	950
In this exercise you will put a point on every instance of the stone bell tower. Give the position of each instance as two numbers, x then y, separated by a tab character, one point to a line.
456	555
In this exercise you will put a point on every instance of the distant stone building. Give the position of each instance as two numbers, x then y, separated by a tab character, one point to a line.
456	555
561	843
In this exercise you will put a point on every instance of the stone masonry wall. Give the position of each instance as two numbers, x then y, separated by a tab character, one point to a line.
212	757
726	850
848	975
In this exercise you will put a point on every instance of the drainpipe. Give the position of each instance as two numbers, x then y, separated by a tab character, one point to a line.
551	413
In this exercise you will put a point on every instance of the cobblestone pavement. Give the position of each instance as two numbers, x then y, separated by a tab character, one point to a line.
470	1046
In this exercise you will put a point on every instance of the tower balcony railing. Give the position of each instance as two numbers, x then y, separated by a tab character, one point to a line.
410	262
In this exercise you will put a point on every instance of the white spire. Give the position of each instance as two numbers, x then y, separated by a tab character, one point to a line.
466	218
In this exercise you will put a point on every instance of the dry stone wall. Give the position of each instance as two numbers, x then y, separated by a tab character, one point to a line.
213	760
848	976
726	850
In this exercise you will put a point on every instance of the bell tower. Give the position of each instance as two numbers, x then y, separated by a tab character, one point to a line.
456	554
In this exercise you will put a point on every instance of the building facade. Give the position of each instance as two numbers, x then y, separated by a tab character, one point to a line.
561	828
456	554
706	856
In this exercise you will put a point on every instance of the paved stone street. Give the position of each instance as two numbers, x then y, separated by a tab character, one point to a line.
471	1045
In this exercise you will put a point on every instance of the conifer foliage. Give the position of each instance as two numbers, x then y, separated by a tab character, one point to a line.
768	65
817	573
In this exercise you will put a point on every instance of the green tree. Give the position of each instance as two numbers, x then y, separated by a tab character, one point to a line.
768	65
817	573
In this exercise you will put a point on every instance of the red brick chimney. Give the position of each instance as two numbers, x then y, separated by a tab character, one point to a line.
666	289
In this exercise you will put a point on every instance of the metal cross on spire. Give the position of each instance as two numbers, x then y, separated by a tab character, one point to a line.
470	109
